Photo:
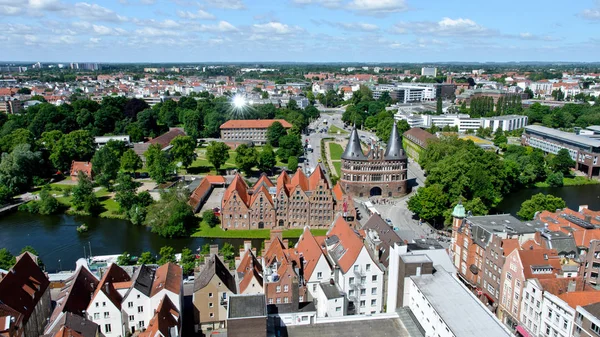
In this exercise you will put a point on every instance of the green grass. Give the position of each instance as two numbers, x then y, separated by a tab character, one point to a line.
338	168
110	206
571	181
202	165
333	130
205	231
335	151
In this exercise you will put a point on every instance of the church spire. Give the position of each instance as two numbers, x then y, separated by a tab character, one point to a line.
394	149
353	149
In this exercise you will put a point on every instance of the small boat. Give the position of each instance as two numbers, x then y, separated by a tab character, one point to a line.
83	228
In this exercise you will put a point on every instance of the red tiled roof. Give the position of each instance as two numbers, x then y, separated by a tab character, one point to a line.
75	297
215	179
581	298
67	332
420	135
299	179
253	123
199	192
316	177
165	139
238	184
168	276
23	286
257	194
508	245
282	181
166	317
113	274
560	285
539	257
337	191
83	166
349	240
250	268
310	250
263	180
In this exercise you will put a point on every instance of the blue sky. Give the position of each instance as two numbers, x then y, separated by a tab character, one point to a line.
299	30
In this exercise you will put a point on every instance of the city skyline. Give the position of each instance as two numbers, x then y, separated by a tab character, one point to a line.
298	31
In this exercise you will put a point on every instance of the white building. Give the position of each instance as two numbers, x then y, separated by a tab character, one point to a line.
531	306
330	300
357	274
301	102
429	72
444	307
102	140
558	311
464	122
316	266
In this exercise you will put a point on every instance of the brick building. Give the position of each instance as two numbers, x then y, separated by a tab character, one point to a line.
291	202
254	130
378	172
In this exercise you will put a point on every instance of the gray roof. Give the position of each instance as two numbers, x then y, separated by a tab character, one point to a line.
85	327
246	306
563	243
382	327
562	135
330	291
439	257
457	307
386	234
394	150
504	223
286	308
144	279
593	309
353	149
213	266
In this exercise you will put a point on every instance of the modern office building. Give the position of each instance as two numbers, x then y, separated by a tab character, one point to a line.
402	93
425	71
464	122
584	150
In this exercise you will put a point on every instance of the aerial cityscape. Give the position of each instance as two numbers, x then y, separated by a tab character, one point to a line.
181	168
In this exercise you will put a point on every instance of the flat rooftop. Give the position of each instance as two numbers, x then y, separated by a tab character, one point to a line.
457	307
505	222
562	135
245	306
417	258
388	327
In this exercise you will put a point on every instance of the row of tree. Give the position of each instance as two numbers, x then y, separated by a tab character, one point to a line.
568	116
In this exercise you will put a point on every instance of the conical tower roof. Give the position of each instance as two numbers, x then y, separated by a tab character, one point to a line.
353	150
394	150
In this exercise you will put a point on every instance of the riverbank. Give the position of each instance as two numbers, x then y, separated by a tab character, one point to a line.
205	231
571	181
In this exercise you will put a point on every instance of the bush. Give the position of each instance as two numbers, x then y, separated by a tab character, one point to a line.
555	179
210	218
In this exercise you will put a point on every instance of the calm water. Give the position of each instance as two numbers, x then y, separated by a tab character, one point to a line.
56	238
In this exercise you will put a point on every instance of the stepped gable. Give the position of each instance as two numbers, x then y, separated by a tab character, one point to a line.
263	181
237	185
257	195
353	149
301	180
282	181
317	176
394	150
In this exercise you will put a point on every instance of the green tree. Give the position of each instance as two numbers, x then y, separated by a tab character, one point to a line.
385	98
158	163
183	150
429	203
246	158
125	189
292	163
146	258
124	259
210	218
7	260
540	202
17	137
289	145
217	154
193	123
439	106
32	250
384	128
48	204
228	251
171	216
555	179
267	159
562	162
167	254
188	261
83	195
18	168
105	162
274	133
77	145
130	161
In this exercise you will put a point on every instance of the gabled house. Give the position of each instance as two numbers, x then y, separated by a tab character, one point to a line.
212	288
105	306
317	268
81	166
136	300
249	273
166	321
24	299
357	273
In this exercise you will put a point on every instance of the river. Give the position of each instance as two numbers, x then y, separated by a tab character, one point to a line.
59	244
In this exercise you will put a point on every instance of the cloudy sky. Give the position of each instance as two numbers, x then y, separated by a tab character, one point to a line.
299	30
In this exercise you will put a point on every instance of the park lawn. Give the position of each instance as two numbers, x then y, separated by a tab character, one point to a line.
205	231
335	151
202	165
571	181
333	130
338	167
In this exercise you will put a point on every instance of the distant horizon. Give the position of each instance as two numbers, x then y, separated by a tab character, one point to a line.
302	31
375	63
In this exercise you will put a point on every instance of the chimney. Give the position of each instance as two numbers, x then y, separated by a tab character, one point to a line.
106	287
572	286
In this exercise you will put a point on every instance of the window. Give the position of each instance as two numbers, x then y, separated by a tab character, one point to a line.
373	303
351	292
141	324
210	304
278	289
565	324
304	318
130	304
314	287
285	300
131	318
301	298
338	309
138	296
97	315
547	330
374	278
212	315
549	313
270	301
319	275
363	292
362	304
106	314
103	304
210	294
351	280
97	304
595	328
107	328
355	267
285	288
278	300
363	279
373	291
140	309
368	267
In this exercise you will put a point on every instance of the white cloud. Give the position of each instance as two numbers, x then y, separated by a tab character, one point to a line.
444	27
590	14
358	26
378	7
10	10
46	5
275	28
104	30
324	3
152	31
226	4
222	26
94	12
200	14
